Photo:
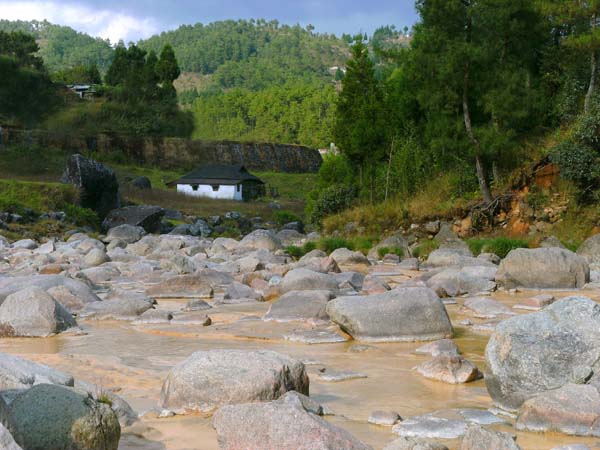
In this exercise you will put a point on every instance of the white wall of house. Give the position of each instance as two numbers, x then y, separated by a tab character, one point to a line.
224	192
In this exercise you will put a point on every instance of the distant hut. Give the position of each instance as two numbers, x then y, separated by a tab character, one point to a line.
220	181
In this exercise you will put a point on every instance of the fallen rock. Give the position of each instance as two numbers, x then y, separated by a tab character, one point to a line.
145	216
300	305
33	313
278	426
95	257
414	444
486	308
384	418
590	250
197	286
479	438
571	409
403	314
97	184
19	373
305	280
343	256
543	268
7	442
55	417
126	233
539	352
441	347
453	369
264	239
431	427
207	380
126	308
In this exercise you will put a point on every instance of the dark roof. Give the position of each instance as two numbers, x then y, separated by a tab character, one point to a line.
217	174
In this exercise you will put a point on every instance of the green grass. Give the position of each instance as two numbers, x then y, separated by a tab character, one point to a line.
382	251
500	246
424	248
291	186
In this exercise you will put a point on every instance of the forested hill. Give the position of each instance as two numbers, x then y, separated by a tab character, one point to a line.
62	47
253	54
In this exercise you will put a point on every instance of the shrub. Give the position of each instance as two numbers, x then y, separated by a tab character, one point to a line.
425	248
499	246
382	251
331	200
294	251
577	162
363	243
329	244
283	217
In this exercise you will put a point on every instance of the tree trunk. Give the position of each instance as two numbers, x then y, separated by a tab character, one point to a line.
389	168
594	69
479	164
592	86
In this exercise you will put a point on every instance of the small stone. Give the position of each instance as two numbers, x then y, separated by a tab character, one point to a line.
384	418
443	346
335	376
449	368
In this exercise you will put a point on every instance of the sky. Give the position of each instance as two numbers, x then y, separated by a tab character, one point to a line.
132	20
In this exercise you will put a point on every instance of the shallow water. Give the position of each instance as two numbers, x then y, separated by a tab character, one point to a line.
134	360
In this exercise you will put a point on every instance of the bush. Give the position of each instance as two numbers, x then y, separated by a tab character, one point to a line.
295	251
499	246
331	200
382	251
423	250
577	162
329	244
283	217
363	243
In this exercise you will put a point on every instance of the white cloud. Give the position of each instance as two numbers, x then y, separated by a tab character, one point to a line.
107	24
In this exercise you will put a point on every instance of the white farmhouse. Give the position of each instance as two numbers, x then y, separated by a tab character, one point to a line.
220	181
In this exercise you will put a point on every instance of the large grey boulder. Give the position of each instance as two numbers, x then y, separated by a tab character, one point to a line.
455	281
391	243
19	373
479	438
343	256
7	442
539	352
79	289
265	239
279	426
198	285
97	184
126	233
33	313
95	257
590	250
145	216
125	308
209	379
403	314
543	268
54	417
300	305
305	279
572	409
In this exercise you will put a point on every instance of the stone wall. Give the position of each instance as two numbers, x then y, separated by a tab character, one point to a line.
174	153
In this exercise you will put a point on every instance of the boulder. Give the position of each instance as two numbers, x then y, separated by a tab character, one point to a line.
479	438
126	308
300	305
7	442
19	373
97	184
33	313
145	216
343	256
391	243
403	314
209	379
200	228
261	239
198	285
539	352
54	417
404	443
142	183
551	241
543	268
571	409
455	281
278	426
384	418
95	257
126	233
305	279
453	369
486	308
590	249
70	300
436	348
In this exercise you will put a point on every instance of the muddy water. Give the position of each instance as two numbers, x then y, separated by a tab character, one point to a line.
133	361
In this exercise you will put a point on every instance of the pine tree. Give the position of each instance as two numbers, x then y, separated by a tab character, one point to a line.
167	68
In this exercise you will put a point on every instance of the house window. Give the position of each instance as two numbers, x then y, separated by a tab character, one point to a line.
215	187
194	187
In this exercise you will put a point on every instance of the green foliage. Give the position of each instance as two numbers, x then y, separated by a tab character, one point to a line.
329	244
424	248
283	217
382	251
78	75
577	162
330	200
336	169
500	246
26	92
295	113
62	47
